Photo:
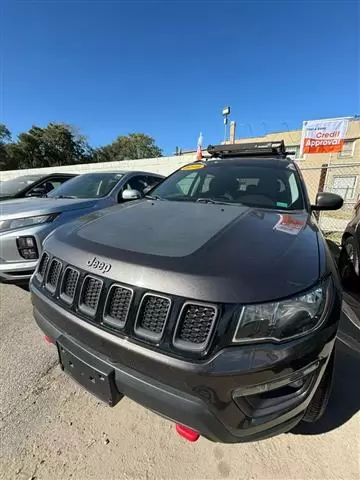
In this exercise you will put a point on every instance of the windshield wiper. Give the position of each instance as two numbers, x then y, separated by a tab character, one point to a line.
63	196
154	197
215	202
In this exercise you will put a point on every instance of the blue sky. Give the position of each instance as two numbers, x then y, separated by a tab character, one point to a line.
166	68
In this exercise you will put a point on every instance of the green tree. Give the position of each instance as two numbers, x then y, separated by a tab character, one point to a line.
5	138
5	135
55	145
101	154
130	147
60	144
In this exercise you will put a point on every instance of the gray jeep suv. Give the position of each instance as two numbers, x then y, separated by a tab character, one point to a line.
214	301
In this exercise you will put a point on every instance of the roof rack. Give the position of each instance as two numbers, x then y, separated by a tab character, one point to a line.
259	149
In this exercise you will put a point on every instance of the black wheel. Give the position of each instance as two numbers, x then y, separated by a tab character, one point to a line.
349	263
320	400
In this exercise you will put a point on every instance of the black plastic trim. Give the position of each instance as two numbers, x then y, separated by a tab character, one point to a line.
108	319
83	308
65	298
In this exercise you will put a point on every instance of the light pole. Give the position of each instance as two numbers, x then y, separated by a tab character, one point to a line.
225	113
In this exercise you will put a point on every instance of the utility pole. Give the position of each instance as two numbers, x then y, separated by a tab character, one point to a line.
225	113
232	131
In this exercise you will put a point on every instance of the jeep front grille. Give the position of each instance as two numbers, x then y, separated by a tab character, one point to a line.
117	305
90	295
152	316
195	326
53	275
68	285
44	261
172	323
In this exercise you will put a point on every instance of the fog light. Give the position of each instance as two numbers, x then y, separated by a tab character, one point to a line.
27	248
26	242
28	253
296	380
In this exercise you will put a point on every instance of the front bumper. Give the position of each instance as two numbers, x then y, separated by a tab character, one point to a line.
18	273
13	267
241	394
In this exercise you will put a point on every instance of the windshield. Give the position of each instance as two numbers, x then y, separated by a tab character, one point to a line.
11	187
251	185
88	185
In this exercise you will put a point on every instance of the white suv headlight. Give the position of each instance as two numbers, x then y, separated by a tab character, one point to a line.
25	222
283	320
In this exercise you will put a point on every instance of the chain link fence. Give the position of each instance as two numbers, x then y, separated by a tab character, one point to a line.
341	179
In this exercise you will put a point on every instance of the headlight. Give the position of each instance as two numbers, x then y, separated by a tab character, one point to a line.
25	222
283	320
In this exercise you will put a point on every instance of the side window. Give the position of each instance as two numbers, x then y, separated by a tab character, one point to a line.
153	181
46	186
55	184
293	188
40	189
138	182
57	181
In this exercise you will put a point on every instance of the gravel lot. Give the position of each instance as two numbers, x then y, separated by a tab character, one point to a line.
51	429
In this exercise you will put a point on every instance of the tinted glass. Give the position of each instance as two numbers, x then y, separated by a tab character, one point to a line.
258	186
89	185
46	187
138	182
11	187
58	182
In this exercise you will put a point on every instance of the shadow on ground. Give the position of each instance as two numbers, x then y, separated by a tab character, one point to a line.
345	398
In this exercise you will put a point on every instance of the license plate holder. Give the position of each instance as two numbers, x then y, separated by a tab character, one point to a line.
96	376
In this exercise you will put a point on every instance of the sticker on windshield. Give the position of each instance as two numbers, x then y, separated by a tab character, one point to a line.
282	204
289	224
194	166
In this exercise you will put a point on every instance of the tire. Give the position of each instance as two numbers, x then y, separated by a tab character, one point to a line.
349	263
320	400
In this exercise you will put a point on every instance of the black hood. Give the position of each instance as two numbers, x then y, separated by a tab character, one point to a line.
202	251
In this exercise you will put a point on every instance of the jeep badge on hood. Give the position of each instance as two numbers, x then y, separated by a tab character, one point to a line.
103	267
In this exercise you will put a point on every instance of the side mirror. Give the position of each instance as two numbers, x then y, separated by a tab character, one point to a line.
327	201
128	195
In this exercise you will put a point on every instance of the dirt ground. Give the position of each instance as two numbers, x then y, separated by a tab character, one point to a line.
51	429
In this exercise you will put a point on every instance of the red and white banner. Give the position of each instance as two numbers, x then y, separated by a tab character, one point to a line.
323	136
